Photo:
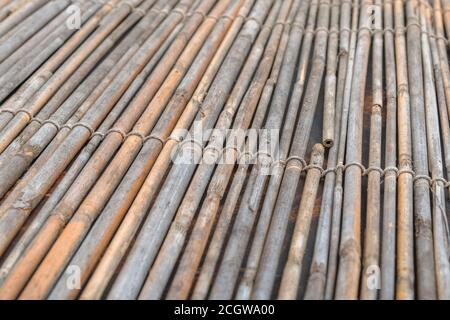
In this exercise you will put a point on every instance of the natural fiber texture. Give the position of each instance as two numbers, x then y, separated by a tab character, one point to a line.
224	149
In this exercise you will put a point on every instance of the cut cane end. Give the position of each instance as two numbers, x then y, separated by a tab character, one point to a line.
328	143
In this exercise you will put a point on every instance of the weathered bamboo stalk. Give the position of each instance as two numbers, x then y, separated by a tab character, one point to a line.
270	255
63	108
348	276
80	134
115	210
388	238
315	288
99	198
291	273
440	223
20	15
13	128
426	280
136	266
30	26
49	69
443	76
46	36
157	279
338	188
227	275
404	288
192	255
128	228
329	112
78	164
371	254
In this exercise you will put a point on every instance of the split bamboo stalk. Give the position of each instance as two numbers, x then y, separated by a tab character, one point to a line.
426	280
404	288
388	239
235	249
116	208
80	134
106	267
61	209
440	223
315	288
13	128
338	188
371	254
184	278
271	252
174	241
291	273
78	164
329	113
139	260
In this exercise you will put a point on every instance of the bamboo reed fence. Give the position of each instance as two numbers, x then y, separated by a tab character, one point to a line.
224	149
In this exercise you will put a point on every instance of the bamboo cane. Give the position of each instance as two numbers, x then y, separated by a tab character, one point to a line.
124	52
388	239
10	131
11	7
228	271
426	280
265	277
23	157
329	221
38	142
338	188
184	278
28	27
315	288
48	33
329	113
246	284
404	288
19	15
446	14
124	235
371	254
94	210
155	282
79	135
440	223
349	253
75	168
28	89
444	76
111	217
293	267
136	266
